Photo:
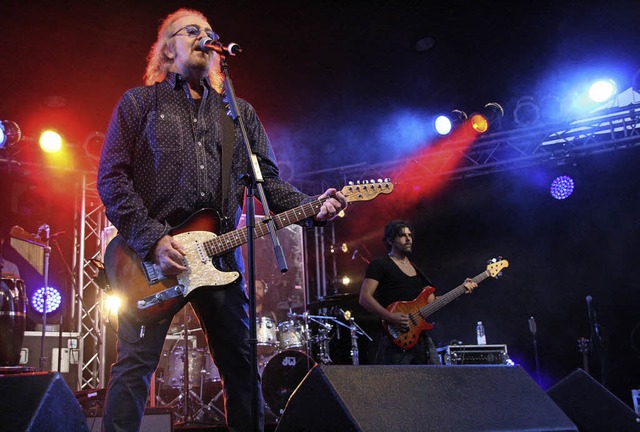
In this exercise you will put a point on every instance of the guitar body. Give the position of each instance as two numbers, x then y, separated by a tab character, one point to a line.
150	296
409	338
420	308
138	281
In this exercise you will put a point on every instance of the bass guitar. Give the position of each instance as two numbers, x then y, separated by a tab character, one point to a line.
144	289
420	308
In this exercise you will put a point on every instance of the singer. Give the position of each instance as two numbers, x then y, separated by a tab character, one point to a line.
169	151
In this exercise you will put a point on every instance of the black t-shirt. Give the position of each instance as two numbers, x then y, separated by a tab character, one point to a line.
394	284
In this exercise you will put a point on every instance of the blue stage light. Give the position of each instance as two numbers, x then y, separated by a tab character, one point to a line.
562	187
601	91
443	125
54	298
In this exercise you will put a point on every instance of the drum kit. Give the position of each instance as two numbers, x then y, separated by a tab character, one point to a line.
287	350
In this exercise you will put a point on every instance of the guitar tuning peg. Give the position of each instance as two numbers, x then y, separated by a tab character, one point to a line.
350	183
358	182
387	180
379	180
372	181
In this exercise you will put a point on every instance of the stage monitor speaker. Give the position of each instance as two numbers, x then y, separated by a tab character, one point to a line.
591	406
40	401
421	398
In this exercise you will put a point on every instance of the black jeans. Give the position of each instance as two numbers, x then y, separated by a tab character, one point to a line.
423	353
223	315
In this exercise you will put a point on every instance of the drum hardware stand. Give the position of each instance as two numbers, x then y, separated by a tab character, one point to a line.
355	331
210	408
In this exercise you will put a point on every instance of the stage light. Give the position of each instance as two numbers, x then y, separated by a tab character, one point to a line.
602	90
93	145
444	124
112	303
50	141
10	133
479	123
54	298
527	112
562	187
490	116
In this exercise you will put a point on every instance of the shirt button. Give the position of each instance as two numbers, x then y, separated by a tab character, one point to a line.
195	120
201	166
201	193
199	143
161	116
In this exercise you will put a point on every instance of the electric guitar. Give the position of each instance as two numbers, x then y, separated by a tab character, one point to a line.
420	308
153	296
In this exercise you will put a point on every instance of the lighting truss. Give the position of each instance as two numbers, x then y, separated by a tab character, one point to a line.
604	131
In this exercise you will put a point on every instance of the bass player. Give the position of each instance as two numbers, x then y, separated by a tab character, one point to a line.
391	278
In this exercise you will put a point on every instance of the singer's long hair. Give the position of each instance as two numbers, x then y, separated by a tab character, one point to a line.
158	63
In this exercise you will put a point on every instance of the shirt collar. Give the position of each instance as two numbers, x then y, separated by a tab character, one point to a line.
177	81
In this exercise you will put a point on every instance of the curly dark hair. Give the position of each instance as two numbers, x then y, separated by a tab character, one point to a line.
393	230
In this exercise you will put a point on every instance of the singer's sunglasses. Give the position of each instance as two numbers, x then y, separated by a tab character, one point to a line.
193	31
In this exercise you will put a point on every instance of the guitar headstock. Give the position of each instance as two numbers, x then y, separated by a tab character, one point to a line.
366	190
495	267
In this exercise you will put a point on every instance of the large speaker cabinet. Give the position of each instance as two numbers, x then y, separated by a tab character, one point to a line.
421	398
591	406
37	402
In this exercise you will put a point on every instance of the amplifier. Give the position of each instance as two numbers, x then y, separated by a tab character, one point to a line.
474	354
63	347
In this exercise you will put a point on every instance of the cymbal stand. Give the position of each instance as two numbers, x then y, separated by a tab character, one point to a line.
355	331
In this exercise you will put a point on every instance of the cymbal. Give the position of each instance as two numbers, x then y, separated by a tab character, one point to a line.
287	305
333	300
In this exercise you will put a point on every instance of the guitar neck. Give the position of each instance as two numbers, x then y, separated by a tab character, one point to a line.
231	240
447	298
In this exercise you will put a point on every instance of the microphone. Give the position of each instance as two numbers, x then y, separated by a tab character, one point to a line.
355	254
589	308
208	44
532	326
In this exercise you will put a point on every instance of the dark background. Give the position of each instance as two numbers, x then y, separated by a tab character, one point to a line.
339	83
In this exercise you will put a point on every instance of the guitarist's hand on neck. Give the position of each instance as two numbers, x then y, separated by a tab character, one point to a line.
168	254
332	205
470	285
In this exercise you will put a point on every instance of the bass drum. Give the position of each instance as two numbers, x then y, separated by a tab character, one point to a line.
13	315
282	375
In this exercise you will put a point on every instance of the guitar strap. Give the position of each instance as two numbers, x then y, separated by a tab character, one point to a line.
228	140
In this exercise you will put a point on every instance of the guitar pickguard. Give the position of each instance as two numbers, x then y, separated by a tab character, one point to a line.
200	270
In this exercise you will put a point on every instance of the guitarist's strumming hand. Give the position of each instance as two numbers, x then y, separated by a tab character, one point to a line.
168	255
332	206
399	319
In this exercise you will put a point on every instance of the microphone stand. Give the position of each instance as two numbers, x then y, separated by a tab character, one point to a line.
45	297
254	184
533	330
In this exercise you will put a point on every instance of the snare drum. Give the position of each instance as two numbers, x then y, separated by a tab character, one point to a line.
282	375
13	314
267	335
291	334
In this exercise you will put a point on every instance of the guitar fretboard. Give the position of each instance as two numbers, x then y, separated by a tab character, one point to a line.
447	298
231	240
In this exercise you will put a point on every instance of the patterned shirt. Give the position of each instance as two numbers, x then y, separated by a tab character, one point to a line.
161	162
